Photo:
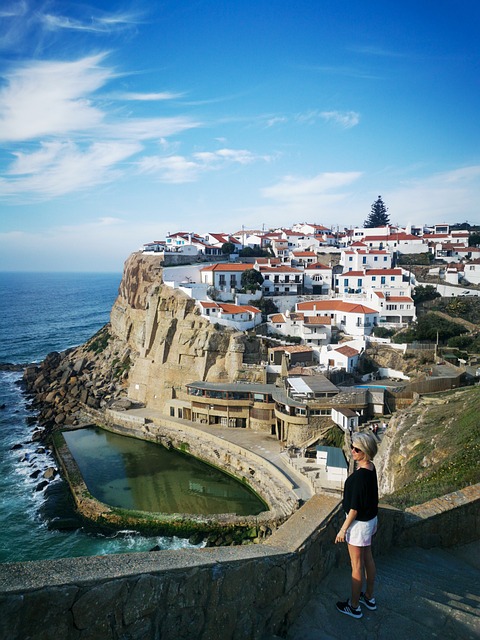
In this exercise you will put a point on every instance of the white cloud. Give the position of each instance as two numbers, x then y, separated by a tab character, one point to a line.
62	167
148	97
292	188
346	119
96	24
178	169
450	196
51	98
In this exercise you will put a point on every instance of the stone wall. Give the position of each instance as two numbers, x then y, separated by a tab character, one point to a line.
239	593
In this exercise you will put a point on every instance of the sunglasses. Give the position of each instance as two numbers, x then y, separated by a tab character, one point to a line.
355	449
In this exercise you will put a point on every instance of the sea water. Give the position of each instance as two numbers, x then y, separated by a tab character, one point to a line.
40	313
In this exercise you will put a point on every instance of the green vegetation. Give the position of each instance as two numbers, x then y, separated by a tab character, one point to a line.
228	248
335	437
424	293
428	328
378	216
410	259
470	343
446	456
251	279
248	252
99	342
462	307
382	332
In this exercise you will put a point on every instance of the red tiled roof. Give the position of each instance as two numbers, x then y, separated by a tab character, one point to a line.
334	305
229	266
278	318
347	351
325	320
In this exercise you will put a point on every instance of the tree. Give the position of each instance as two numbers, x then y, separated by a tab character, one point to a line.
228	248
378	215
424	293
474	239
251	279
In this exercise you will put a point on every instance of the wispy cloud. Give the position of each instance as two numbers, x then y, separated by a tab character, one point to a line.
179	169
62	167
147	97
294	188
344	119
62	136
96	24
449	196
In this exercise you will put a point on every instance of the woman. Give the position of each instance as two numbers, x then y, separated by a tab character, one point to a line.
360	503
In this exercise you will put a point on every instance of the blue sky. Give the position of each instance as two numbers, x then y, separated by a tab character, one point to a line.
121	122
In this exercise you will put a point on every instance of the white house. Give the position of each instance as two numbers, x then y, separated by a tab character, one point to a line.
352	318
339	357
396	310
355	259
234	316
303	258
362	281
281	279
472	271
224	276
313	330
345	418
317	279
334	461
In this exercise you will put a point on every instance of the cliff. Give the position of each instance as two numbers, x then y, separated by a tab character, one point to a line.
155	343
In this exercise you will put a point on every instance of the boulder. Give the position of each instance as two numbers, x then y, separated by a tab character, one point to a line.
50	473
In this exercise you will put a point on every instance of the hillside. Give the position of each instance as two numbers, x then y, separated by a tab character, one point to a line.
431	448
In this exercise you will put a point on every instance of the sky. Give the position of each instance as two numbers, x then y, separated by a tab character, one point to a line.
121	122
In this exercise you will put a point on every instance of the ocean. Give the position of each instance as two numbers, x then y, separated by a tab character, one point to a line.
40	313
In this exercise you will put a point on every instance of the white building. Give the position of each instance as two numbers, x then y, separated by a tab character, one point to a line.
225	277
355	259
234	316
339	357
281	279
368	279
352	318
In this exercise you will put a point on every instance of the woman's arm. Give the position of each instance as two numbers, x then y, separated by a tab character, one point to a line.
352	514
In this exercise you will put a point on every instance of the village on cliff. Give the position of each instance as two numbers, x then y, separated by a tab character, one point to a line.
321	298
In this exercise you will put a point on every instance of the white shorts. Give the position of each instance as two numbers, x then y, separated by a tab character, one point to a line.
359	534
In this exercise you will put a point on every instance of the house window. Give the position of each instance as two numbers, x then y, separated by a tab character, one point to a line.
382	280
364	260
345	282
297	279
385	258
374	278
287	289
222	280
350	259
287	278
392	278
359	282
267	277
375	259
172	412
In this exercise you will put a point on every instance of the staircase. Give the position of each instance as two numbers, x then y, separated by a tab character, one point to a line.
421	594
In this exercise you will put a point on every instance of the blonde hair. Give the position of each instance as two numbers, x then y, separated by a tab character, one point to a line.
366	442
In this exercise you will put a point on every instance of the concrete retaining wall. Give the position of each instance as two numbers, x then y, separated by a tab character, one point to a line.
237	593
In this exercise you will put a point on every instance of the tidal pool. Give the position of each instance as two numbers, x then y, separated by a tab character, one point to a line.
133	474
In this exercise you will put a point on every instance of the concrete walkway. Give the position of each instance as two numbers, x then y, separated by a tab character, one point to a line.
421	594
262	444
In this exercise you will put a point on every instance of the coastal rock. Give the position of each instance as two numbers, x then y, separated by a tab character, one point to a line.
50	473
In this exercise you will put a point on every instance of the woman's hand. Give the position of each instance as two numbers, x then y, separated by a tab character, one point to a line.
340	536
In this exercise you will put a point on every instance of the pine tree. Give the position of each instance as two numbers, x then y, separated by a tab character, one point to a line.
378	215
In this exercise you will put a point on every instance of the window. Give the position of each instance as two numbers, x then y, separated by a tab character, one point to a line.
172	412
287	278
350	259
222	280
359	282
267	277
364	260
385	258
374	278
392	278
382	280
375	259
345	282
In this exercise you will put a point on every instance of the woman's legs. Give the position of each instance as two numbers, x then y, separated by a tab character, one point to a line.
357	561
370	572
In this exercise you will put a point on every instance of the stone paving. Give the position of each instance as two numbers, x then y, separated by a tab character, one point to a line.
421	593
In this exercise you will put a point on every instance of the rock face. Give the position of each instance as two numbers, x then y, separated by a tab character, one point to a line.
155	343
